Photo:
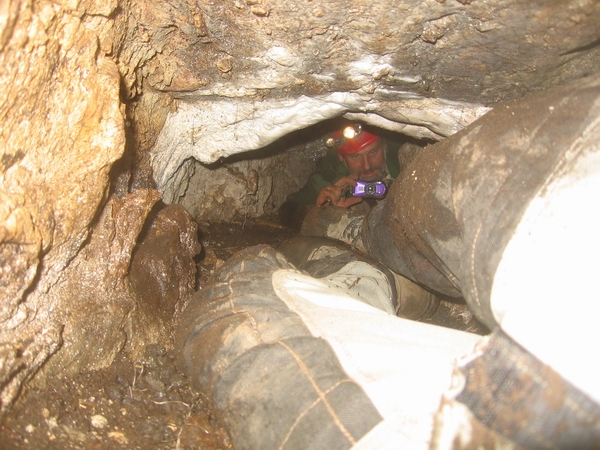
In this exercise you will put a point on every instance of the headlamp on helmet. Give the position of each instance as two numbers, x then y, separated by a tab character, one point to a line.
352	131
351	139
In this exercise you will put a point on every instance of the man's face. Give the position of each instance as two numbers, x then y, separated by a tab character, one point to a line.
367	164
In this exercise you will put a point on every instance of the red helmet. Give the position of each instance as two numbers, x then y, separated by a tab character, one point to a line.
350	139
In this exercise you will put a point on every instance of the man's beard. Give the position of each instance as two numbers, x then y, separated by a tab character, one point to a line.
379	175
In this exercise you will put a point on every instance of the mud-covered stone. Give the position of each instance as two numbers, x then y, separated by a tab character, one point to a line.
163	272
110	300
93	301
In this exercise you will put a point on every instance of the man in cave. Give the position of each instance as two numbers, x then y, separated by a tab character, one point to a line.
359	175
359	155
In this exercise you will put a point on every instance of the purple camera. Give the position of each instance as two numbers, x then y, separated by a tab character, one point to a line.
368	189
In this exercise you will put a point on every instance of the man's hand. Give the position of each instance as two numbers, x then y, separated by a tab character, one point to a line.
332	194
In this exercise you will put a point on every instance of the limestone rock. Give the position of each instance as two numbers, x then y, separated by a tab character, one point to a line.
93	301
125	286
62	128
65	252
234	191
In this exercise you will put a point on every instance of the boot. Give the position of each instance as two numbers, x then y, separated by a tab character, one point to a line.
414	302
359	275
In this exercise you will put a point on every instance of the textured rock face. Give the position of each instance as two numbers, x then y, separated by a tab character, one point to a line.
126	285
423	68
235	190
62	128
65	252
130	92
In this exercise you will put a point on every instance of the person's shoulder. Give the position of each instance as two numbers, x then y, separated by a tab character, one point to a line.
330	167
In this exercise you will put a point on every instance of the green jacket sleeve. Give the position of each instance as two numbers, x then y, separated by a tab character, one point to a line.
329	170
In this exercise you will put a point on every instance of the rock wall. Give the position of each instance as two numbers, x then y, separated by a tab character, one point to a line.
236	190
69	299
62	128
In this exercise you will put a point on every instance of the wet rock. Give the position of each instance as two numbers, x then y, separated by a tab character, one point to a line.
113	297
58	142
93	300
114	393
163	274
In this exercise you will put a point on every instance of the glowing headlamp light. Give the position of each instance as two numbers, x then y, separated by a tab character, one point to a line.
352	131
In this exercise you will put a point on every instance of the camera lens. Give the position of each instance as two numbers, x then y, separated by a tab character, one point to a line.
370	189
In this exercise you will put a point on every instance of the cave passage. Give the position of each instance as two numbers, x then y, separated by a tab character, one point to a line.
256	183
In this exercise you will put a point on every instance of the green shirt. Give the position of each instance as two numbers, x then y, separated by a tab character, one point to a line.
329	170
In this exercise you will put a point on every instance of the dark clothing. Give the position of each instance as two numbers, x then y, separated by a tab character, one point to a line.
503	213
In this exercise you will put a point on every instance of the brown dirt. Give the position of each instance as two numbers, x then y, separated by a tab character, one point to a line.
146	404
130	405
221	241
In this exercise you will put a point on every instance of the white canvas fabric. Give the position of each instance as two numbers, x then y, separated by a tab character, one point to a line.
545	293
403	366
365	283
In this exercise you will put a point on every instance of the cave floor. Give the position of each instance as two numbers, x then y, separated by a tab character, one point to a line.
150	404
147	404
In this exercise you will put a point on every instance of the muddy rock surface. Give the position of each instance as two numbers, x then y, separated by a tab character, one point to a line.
143	404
